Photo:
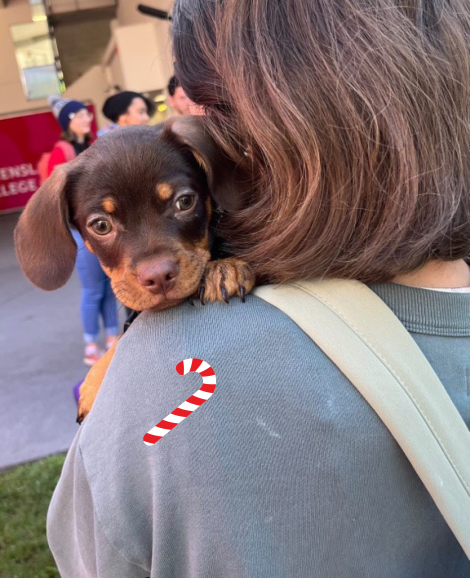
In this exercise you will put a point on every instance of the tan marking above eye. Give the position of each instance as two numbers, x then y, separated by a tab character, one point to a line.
108	205
165	191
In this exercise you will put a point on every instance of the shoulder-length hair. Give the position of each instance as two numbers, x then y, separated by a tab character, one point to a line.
354	117
69	136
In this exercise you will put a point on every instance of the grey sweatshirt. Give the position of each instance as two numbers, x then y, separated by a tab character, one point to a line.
285	472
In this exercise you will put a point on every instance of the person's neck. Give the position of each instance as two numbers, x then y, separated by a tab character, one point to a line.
80	139
437	275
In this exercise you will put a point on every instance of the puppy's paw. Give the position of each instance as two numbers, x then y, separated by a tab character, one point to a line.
88	391
90	387
225	278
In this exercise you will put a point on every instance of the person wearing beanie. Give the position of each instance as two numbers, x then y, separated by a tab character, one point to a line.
127	108
97	299
64	110
75	121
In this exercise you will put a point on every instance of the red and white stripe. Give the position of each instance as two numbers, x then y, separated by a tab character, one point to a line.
191	404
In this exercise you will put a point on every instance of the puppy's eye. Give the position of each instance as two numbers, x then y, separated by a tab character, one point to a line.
185	202
102	227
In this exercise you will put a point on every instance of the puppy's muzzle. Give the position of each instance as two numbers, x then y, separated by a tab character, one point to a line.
158	276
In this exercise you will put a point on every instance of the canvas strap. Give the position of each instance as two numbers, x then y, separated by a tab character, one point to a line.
364	338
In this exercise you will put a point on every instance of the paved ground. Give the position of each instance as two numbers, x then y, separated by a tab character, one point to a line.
40	360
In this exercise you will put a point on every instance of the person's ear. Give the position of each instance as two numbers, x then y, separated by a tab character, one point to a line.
229	184
44	245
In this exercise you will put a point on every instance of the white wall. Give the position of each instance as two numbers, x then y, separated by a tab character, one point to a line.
145	55
159	67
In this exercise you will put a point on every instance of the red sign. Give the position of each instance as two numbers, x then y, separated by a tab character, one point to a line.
23	139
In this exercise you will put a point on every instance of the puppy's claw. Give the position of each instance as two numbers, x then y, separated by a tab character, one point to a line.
190	299
202	290
225	278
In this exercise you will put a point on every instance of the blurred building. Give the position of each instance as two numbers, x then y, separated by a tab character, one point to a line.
83	48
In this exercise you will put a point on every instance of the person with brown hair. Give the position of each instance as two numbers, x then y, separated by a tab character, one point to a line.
74	119
353	118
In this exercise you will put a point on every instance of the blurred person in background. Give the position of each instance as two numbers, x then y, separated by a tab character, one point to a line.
179	101
97	299
127	108
75	121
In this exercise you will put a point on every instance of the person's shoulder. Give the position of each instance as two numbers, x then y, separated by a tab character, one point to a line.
244	343
241	341
237	340
214	323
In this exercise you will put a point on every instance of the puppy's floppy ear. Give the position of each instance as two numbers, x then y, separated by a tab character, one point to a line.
228	182
44	245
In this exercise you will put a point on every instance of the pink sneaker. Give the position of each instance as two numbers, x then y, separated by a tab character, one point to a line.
111	340
92	354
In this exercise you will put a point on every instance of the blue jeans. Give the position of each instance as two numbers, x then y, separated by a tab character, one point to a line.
97	296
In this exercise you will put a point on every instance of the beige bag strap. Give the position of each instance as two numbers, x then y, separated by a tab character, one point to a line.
367	342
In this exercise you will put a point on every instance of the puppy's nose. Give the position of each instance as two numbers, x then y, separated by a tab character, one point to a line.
157	276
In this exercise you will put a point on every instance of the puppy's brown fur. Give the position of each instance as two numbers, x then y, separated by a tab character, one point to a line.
142	198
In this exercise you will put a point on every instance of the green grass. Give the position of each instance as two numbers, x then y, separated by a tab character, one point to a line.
25	493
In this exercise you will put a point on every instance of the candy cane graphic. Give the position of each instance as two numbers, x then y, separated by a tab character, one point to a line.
191	404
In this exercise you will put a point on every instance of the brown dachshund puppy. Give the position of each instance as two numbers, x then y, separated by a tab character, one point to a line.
143	199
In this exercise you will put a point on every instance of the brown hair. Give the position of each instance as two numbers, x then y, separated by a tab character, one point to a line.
69	136
353	117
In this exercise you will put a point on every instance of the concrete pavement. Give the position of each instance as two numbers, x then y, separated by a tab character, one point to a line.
40	360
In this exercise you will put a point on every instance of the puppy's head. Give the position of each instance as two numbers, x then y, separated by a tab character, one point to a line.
141	198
